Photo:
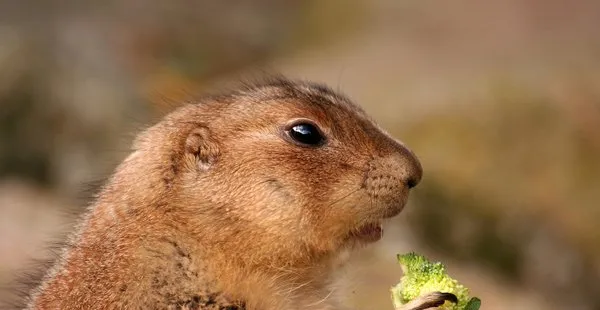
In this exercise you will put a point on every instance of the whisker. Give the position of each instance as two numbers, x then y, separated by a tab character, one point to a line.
343	197
290	291
323	299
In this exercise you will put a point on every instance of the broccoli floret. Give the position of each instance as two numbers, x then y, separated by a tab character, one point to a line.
422	276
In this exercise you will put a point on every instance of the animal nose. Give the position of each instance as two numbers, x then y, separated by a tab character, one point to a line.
387	176
414	171
399	165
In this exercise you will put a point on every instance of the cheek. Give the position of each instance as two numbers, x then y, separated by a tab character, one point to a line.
346	198
264	202
334	217
273	205
310	192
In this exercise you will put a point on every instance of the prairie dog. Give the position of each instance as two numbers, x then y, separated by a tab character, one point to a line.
238	201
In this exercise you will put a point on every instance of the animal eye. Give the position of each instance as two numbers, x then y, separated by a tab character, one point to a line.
306	133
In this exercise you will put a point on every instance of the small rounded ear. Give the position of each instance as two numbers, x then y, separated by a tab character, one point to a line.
201	148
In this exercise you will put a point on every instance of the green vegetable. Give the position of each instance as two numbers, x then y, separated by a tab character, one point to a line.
473	304
422	276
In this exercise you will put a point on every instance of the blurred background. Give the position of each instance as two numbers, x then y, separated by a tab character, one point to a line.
499	99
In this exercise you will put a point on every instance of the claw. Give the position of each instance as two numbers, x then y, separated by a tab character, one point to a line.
431	300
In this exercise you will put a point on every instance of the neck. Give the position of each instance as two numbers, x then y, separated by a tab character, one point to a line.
264	282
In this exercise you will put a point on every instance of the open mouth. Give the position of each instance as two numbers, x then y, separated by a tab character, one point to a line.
368	233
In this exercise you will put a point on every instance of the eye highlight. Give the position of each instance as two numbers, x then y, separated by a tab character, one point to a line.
306	134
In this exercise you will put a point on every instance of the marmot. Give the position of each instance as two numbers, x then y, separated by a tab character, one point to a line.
238	201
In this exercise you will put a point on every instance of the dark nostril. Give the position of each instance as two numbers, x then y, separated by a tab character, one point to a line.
411	182
416	172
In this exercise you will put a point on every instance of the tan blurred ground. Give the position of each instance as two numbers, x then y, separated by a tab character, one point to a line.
500	99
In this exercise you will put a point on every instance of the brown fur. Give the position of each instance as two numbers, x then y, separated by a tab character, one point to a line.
215	208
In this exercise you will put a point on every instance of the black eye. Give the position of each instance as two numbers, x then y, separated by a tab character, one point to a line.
306	133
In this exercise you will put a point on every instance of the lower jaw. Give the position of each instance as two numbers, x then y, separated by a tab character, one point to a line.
367	234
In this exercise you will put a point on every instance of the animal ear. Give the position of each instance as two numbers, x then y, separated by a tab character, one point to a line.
201	148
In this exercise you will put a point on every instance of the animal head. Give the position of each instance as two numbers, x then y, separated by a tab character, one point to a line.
292	169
